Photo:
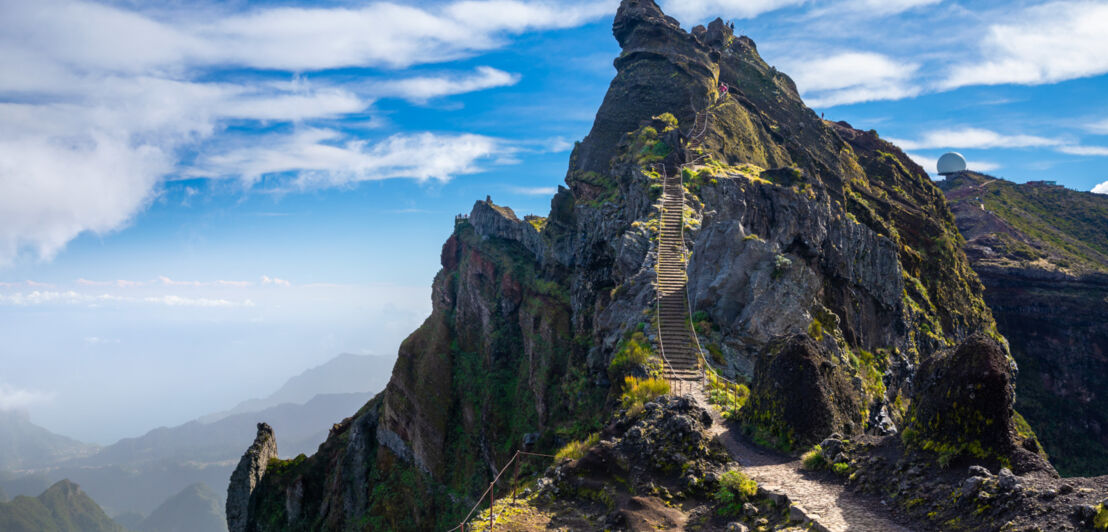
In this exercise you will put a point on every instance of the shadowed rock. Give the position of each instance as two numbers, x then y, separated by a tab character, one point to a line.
964	408
246	477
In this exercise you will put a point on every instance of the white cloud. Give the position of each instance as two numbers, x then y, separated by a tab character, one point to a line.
96	340
12	398
119	94
1043	44
1085	150
1100	127
178	301
267	280
884	7
852	77
198	284
535	191
323	158
972	137
421	89
930	164
380	34
696	11
1101	188
102	37
70	297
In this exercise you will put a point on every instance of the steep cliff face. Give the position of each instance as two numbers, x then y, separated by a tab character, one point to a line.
812	245
1042	252
246	477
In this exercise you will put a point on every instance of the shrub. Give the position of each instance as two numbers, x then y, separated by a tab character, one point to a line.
813	459
840	468
632	353
637	392
735	488
781	264
576	449
669	120
1100	522
730	397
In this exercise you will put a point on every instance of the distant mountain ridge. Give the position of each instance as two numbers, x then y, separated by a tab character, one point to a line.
346	373
196	508
63	507
24	445
139	474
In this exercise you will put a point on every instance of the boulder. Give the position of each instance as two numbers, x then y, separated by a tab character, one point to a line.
963	407
799	395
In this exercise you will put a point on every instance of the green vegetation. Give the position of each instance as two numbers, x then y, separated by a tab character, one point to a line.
1067	225
1100	522
61	507
574	450
813	459
638	392
729	396
841	468
538	222
669	120
815	329
781	264
633	352
871	368
735	488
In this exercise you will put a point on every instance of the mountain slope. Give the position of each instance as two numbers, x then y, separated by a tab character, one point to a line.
217	441
138	474
344	374
1042	252
24	445
195	509
812	244
61	508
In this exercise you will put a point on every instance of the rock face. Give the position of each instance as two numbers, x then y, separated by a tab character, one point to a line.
1042	252
247	476
964	408
798	229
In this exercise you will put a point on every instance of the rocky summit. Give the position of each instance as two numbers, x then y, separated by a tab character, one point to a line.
823	305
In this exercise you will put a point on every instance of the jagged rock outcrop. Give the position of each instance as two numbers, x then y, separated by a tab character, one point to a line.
1042	252
247	476
798	228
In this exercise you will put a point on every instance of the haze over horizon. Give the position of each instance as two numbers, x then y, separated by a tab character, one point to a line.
200	201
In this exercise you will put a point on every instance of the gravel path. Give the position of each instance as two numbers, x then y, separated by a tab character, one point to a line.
830	505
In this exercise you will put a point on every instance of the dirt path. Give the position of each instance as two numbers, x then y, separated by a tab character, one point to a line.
830	505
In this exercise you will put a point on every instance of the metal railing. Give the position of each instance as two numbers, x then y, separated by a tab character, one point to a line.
711	376
492	493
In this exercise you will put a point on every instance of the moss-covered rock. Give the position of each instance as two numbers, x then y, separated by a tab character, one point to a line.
800	396
963	409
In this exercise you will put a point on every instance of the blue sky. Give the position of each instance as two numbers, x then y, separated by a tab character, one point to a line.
199	200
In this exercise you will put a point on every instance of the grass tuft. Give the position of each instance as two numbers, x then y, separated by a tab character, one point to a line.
574	450
813	459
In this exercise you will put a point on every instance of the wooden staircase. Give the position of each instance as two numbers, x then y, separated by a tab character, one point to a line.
674	328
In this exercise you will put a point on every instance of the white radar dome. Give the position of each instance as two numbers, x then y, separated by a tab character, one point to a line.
951	162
